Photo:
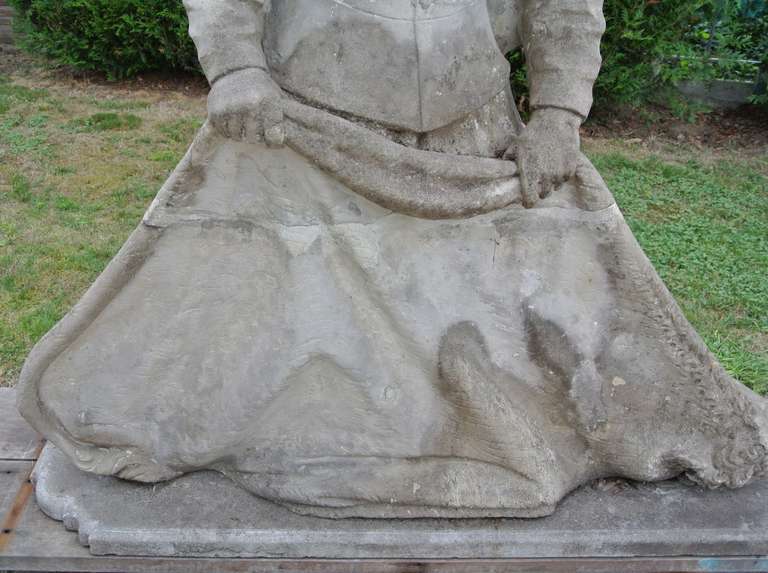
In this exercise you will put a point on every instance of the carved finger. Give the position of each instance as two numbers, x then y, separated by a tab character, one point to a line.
512	150
592	187
242	126
587	176
274	132
271	112
253	128
547	186
275	136
219	125
226	127
232	129
529	188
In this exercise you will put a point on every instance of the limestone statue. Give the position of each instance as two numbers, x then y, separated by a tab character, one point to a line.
370	290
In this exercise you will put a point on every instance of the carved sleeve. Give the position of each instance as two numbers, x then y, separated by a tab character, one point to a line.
561	39
227	34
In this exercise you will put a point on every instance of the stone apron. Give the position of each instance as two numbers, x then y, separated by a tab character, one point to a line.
353	327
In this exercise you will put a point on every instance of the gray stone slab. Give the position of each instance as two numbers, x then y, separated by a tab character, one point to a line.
205	515
42	544
720	94
18	441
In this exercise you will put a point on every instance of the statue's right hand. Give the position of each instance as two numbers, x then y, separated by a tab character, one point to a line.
247	106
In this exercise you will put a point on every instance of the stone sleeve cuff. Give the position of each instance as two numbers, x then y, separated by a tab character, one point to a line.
227	34
562	90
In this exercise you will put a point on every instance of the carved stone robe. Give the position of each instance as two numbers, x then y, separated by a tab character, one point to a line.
367	322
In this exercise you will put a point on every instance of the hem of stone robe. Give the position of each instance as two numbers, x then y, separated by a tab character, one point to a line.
328	353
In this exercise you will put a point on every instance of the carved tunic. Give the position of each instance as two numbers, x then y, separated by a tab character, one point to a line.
436	61
561	39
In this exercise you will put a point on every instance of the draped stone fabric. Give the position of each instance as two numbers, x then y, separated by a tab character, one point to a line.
331	354
366	322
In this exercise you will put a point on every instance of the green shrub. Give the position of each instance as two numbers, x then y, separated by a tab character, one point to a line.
647	47
120	38
747	35
650	45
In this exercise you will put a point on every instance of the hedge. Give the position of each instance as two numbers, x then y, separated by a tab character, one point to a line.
120	38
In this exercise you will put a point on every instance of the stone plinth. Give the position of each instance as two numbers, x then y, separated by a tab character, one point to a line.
206	515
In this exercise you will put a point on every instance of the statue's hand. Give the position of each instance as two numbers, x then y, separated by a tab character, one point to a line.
247	106
547	152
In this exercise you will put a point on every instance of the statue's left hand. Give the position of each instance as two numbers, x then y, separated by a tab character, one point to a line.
548	152
246	105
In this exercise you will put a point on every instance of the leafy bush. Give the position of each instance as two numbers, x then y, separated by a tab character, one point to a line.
118	37
745	34
650	45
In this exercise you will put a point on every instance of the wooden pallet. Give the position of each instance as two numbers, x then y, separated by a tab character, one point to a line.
30	541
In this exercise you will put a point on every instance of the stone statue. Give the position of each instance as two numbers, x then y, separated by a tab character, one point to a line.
370	290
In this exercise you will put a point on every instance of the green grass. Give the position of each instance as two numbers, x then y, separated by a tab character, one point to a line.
78	171
104	121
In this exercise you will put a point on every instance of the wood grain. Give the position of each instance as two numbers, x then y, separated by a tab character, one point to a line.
17	440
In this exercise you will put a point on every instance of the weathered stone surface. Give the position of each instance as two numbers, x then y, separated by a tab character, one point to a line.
361	320
205	515
335	354
417	53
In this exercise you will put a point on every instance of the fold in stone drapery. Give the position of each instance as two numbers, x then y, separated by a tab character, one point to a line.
269	322
402	179
409	181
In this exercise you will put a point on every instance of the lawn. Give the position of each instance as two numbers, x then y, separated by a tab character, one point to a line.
79	164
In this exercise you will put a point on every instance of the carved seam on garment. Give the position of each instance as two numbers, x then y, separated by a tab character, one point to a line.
465	6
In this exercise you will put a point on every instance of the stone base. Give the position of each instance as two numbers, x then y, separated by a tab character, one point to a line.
206	515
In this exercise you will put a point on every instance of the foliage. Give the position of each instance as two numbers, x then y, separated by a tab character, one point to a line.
647	47
735	38
650	45
747	34
118	37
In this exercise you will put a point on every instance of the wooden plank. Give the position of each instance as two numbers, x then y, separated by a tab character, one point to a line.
12	474
141	565
18	441
15	498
